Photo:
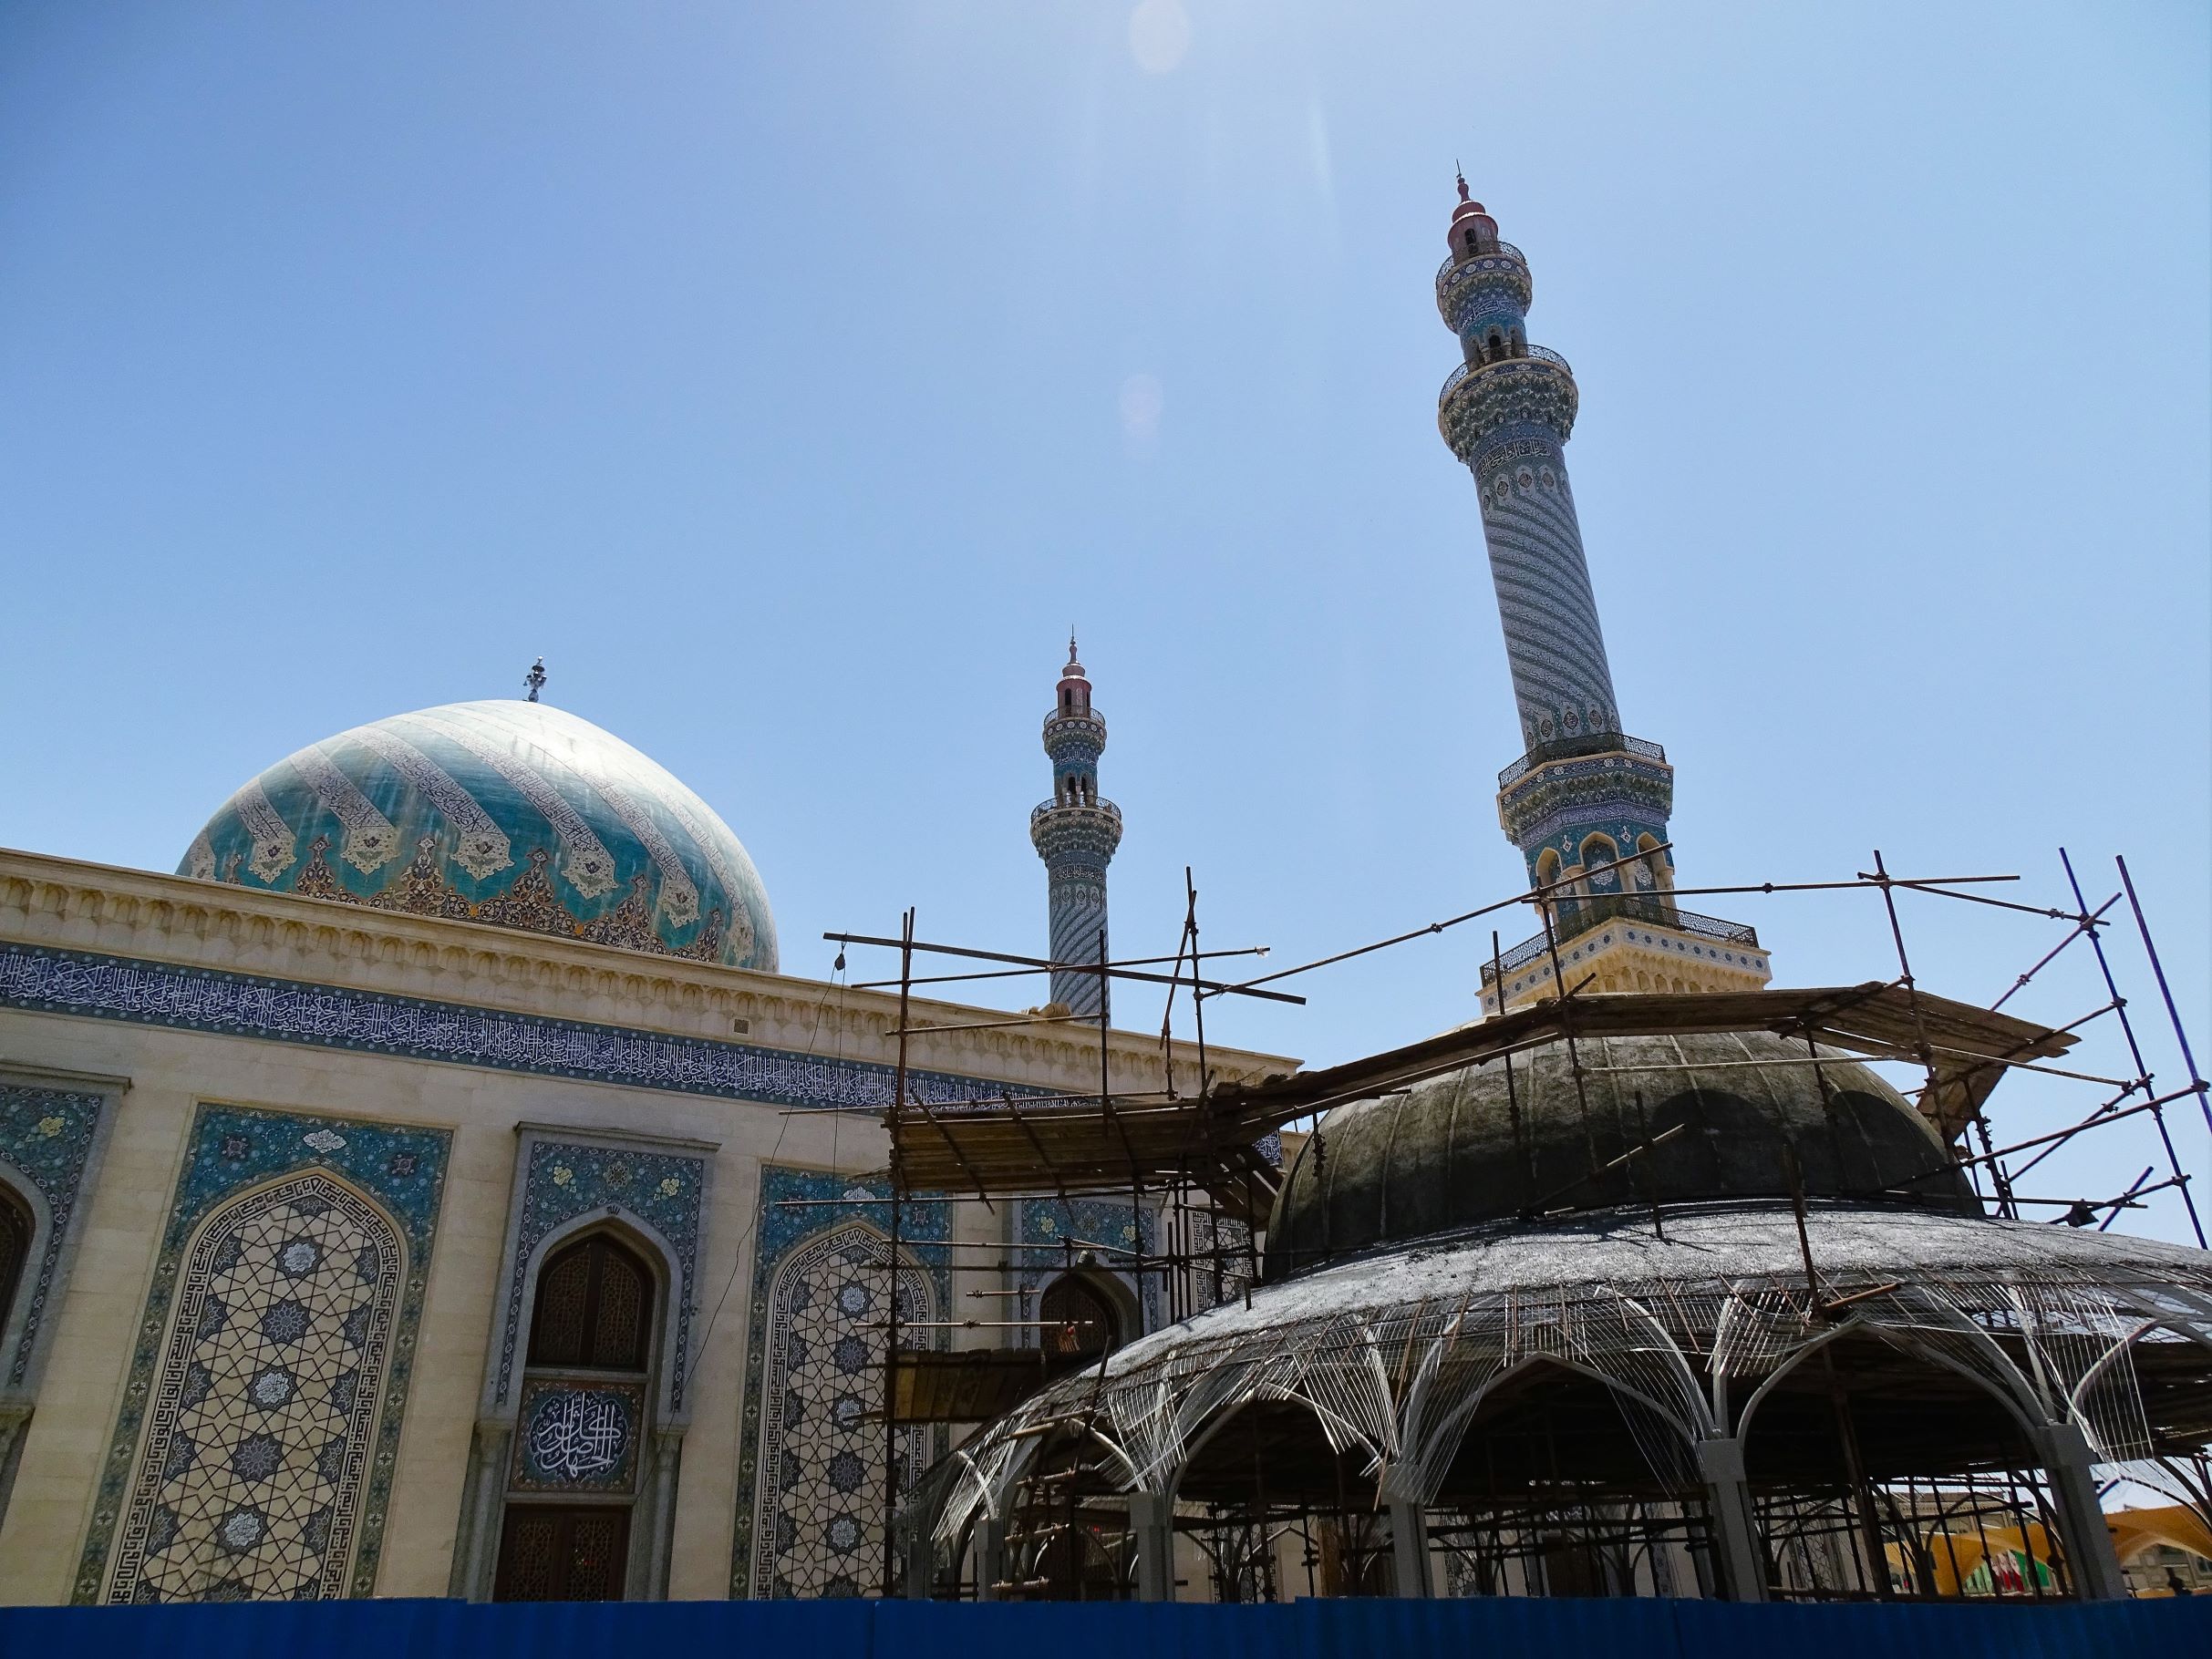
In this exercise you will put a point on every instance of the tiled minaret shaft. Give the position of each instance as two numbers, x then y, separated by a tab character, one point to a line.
1076	833
1587	805
1507	412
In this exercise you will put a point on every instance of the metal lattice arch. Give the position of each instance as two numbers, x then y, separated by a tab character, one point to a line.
2071	1351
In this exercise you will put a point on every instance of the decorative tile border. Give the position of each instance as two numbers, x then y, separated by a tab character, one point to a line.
781	1231
235	1148
46	1138
330	1017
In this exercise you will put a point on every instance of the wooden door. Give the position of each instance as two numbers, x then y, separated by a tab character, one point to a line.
563	1552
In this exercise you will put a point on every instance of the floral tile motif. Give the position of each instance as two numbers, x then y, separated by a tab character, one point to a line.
260	1427
812	1442
568	1179
45	1137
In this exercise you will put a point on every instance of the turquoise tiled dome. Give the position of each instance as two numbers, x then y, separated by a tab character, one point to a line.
518	814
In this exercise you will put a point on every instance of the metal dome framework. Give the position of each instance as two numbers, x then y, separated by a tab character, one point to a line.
1394	1404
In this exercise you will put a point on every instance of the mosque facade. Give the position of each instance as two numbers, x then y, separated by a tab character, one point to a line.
435	1188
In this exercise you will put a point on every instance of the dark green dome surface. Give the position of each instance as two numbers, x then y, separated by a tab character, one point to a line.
1471	1147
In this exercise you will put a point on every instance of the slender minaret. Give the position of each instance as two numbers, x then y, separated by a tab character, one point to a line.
1075	833
1587	805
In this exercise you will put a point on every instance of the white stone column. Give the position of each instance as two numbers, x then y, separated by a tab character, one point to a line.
476	1560
1152	1519
2068	1463
1735	1530
1410	1549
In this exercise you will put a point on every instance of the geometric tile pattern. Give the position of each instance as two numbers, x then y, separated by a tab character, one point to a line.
1553	642
330	1017
249	1484
269	1381
800	1440
820	1529
45	1137
565	1180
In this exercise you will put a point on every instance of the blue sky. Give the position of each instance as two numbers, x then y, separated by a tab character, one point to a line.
792	376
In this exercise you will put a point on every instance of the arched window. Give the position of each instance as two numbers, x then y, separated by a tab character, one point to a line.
16	1228
1560	903
1652	869
1077	1323
595	1309
1598	851
574	1476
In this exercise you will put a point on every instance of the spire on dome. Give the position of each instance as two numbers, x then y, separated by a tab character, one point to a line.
535	679
1462	181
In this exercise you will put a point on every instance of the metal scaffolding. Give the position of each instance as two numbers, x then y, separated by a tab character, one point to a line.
1058	1500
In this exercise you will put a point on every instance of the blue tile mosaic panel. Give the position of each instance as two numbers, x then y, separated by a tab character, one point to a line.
577	1437
254	1452
1065	1227
811	1446
331	1016
47	1136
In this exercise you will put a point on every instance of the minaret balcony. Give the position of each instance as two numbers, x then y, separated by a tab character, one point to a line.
1502	250
1074	811
1568	748
1521	353
1627	942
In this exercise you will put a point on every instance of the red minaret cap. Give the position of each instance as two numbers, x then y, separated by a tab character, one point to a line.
1469	212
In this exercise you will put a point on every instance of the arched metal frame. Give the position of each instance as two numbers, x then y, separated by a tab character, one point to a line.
1402	1385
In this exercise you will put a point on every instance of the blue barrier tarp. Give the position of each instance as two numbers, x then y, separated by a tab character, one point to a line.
1474	1629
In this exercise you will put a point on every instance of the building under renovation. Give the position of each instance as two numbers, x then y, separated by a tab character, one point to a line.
1646	1284
438	1187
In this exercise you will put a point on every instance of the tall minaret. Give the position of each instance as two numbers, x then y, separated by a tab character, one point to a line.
1583	798
1075	833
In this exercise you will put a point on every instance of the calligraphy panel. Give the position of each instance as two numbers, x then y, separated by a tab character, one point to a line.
578	1437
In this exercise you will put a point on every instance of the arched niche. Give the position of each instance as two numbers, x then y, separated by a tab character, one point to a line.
818	1509
250	1467
1083	1315
583	1420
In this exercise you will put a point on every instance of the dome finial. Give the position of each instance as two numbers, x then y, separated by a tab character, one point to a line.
1071	662
535	679
1461	173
